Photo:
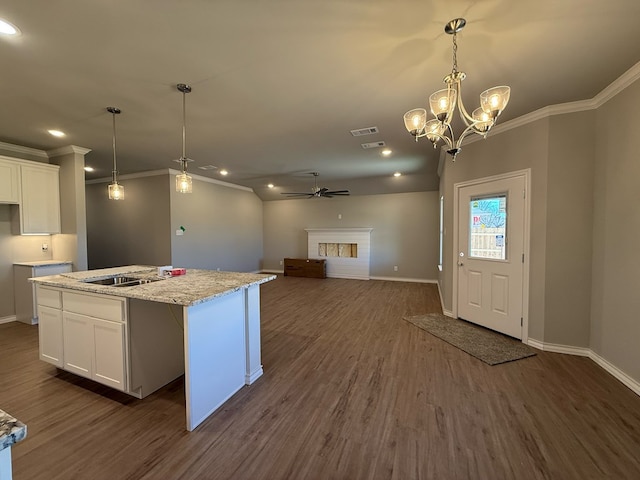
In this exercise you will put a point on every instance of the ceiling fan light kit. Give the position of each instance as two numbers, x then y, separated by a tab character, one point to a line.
317	192
443	103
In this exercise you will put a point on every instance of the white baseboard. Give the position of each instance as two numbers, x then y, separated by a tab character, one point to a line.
401	279
625	379
448	313
10	318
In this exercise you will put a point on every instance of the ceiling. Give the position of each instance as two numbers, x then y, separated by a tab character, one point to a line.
278	85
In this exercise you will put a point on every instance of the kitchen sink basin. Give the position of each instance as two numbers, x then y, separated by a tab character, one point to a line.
121	281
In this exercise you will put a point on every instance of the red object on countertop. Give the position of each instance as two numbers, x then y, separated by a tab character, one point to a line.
177	271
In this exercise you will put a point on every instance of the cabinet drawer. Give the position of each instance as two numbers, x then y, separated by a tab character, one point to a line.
49	297
94	306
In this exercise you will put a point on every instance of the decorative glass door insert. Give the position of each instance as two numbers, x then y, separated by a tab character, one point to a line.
488	227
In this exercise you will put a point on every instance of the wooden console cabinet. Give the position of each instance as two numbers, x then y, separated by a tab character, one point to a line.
302	267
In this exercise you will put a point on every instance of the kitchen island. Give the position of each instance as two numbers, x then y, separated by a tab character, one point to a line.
131	329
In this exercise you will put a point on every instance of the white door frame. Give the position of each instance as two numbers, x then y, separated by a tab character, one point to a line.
527	237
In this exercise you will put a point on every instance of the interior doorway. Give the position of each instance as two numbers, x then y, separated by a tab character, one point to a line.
491	240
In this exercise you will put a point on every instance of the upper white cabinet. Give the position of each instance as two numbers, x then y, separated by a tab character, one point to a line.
35	188
9	182
40	202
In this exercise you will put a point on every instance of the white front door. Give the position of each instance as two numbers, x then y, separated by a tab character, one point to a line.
490	253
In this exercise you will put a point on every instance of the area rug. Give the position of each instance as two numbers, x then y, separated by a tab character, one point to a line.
491	347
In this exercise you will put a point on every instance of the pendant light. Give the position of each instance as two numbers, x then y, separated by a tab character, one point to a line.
183	180
116	191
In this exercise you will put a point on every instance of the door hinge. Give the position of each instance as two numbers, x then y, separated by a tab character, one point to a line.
521	321
523	258
524	194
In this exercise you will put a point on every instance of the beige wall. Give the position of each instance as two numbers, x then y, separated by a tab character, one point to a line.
513	150
615	307
135	230
223	228
223	225
584	228
405	230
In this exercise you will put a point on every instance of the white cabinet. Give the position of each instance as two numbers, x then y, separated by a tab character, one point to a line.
86	335
94	348
9	181
50	335
25	296
40	199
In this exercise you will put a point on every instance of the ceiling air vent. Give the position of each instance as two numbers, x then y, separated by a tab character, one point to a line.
364	131
208	167
372	145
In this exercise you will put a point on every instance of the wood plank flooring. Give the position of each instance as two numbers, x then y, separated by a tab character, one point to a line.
350	391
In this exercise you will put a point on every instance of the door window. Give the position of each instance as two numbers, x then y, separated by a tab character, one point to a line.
488	227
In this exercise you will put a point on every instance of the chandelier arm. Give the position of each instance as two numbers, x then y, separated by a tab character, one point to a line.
464	115
467	131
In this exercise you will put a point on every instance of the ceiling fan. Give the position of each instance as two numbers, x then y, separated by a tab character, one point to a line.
317	191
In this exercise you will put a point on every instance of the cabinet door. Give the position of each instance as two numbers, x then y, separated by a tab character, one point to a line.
9	182
40	206
108	353
50	335
78	343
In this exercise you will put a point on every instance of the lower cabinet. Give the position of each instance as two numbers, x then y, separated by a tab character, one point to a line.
85	334
94	348
50	335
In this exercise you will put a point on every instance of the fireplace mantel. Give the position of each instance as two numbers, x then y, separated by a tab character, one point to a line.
336	242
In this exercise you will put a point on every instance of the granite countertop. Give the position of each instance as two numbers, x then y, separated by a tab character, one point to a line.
39	263
11	430
196	286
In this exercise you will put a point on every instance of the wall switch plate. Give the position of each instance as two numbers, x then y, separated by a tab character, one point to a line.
179	232
395	268
45	247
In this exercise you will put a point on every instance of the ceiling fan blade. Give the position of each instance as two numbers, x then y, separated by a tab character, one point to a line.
338	192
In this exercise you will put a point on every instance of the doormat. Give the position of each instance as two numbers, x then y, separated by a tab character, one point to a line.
491	347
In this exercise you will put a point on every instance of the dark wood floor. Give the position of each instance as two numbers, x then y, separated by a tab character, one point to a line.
350	391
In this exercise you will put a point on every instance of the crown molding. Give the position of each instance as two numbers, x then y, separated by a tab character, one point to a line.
617	86
170	171
10	147
57	152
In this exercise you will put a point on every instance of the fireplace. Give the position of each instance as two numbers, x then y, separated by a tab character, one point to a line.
346	250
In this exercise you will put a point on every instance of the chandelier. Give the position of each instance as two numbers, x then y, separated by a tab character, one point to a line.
116	191
184	182
443	103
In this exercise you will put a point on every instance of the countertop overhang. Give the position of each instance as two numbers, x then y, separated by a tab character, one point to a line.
12	430
194	287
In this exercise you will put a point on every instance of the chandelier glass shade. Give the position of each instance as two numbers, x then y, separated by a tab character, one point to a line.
443	103
116	191
184	182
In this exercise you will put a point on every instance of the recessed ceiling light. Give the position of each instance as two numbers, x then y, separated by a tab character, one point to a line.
397	174
7	28
386	152
56	133
224	172
88	169
271	185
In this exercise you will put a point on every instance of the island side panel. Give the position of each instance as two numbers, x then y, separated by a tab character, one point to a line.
156	345
214	353
252	328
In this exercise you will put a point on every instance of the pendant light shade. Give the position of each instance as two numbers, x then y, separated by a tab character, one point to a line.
184	182
116	191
